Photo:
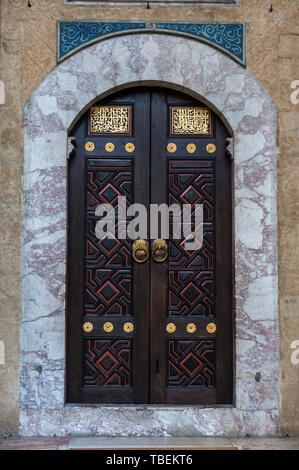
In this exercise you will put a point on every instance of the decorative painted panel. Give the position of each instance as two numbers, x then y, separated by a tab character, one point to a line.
191	363
114	119
190	120
228	37
107	362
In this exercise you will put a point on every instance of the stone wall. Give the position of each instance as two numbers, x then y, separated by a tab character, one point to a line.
28	54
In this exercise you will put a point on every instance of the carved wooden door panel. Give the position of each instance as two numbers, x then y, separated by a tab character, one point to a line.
155	332
107	298
191	293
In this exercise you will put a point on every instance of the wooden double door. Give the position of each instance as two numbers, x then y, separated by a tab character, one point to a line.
152	331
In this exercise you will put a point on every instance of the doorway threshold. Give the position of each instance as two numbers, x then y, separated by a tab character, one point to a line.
148	443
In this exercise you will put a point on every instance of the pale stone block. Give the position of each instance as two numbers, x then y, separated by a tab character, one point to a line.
248	218
67	81
40	300
2	92
47	104
249	393
261	303
2	352
45	154
247	146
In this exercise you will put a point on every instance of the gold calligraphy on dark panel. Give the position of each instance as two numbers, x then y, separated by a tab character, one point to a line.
110	120
190	120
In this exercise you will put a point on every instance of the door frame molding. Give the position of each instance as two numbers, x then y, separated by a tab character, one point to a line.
54	107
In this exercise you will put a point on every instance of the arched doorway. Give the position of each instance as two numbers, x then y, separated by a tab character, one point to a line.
56	104
154	325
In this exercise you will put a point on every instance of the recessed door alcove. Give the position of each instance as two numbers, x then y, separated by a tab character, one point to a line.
53	109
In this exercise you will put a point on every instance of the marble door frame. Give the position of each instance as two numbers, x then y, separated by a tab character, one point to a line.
230	90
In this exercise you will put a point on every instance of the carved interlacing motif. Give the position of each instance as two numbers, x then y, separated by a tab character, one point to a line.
191	276
110	120
191	293
190	120
108	270
192	182
191	363
107	362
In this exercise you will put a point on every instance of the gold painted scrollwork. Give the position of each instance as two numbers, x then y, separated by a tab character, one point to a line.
190	120
110	119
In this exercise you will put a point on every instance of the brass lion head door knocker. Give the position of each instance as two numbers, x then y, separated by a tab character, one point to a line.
140	251
159	250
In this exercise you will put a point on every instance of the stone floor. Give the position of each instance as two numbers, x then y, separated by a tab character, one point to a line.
58	443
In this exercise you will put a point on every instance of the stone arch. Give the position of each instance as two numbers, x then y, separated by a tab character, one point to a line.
55	105
152	83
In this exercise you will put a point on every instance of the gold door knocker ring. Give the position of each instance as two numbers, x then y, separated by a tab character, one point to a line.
140	251
159	250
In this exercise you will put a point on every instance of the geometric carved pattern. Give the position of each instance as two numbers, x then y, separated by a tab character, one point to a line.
106	180
191	293
191	275
191	363
190	120
110	253
108	266
192	182
180	258
107	362
110	120
108	292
